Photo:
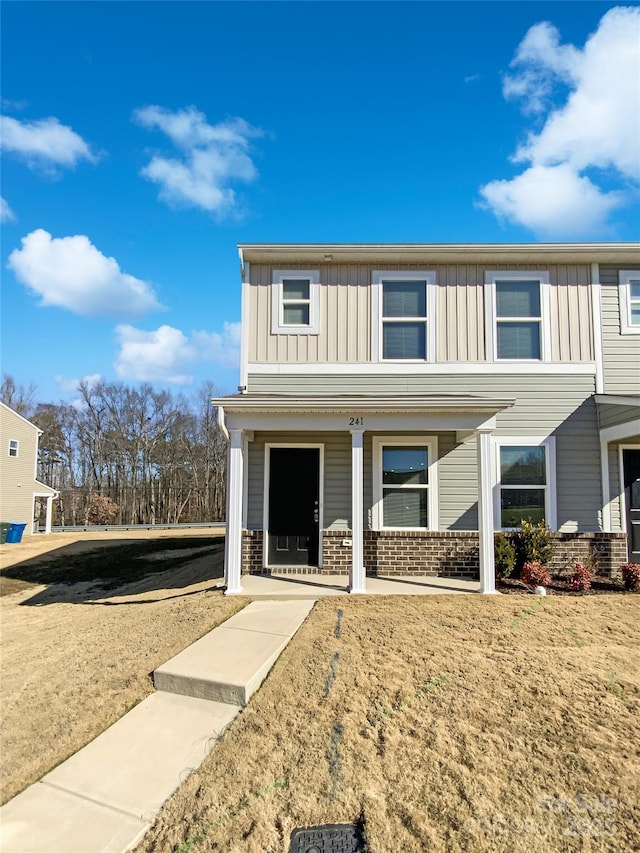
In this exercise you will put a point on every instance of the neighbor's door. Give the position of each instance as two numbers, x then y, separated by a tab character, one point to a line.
631	479
294	506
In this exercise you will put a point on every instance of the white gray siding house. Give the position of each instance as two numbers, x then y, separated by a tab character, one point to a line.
433	393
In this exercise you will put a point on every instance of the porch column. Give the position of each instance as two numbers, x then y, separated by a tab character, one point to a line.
357	573
485	513
235	482
47	522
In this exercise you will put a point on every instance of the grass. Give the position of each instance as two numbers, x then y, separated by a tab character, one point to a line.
113	566
72	665
437	723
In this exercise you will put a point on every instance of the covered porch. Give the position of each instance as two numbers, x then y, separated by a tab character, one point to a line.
392	463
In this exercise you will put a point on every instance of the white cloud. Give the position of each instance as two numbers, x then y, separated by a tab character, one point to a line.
552	200
6	214
212	157
166	354
44	144
596	128
69	272
70	386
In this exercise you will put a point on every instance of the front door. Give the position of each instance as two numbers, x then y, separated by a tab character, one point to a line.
631	479
294	506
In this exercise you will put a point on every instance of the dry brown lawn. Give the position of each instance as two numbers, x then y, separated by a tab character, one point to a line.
74	662
442	723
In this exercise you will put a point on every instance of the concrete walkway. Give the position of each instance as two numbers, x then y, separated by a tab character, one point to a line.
104	798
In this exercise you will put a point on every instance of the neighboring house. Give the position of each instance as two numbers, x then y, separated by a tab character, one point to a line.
433	393
19	489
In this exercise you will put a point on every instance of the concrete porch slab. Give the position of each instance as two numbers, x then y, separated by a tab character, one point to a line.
43	818
306	586
230	663
141	759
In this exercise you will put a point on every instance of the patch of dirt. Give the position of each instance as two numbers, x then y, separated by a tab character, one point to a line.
76	658
447	723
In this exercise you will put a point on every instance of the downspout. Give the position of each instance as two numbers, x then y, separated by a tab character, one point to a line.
221	423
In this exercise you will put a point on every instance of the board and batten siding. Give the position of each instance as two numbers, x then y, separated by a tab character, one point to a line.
561	406
346	314
620	353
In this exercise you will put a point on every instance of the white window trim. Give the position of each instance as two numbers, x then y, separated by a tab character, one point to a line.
549	443
378	277
490	279
17	448
428	441
624	293
293	445
278	326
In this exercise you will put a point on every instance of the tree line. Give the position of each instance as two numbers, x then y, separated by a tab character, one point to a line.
128	455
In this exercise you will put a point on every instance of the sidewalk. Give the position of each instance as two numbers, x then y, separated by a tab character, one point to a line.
104	798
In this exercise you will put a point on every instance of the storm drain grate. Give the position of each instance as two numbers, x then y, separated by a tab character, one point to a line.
328	838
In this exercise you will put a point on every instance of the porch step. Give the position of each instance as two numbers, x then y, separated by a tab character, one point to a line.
230	663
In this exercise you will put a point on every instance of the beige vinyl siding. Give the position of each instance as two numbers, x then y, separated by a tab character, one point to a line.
621	353
346	314
561	406
17	474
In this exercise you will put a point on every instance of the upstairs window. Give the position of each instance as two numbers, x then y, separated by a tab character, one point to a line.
517	321
13	447
295	302
630	302
404	305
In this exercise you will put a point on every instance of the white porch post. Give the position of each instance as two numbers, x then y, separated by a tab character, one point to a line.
357	573
485	513
235	488
47	522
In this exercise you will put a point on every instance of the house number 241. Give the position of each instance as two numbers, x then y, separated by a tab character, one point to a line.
356	421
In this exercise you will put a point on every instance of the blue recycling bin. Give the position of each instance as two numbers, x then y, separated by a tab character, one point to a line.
14	533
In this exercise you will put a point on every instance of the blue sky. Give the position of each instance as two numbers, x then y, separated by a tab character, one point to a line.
142	141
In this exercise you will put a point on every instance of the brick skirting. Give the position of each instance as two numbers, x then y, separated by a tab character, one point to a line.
445	553
607	550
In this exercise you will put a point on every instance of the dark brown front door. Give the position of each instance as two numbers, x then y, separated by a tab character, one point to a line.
631	479
294	506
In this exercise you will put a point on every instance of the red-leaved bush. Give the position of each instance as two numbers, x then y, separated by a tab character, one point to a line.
536	574
581	577
631	576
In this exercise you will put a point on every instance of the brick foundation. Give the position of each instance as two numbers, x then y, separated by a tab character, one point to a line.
607	550
441	553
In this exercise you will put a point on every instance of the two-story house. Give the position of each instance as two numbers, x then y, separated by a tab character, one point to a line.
400	403
20	489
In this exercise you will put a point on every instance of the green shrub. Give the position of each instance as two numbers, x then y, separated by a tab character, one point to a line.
533	543
505	556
